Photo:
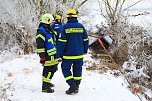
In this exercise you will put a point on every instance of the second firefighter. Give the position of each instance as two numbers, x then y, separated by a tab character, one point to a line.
46	49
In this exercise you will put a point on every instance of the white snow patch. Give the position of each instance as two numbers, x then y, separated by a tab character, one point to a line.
26	81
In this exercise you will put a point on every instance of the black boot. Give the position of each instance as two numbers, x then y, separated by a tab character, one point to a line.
48	90
77	90
51	85
46	87
73	89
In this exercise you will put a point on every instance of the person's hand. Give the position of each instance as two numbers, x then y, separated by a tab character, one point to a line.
59	59
42	61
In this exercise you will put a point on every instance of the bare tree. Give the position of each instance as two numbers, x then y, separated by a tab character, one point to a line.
114	13
19	21
137	40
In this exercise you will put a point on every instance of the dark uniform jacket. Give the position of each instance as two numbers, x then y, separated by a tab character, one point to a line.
57	27
73	42
46	44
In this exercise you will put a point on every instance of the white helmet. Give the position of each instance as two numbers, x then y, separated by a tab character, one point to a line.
47	18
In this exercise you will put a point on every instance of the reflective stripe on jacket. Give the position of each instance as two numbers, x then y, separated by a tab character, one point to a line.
49	40
73	42
57	28
46	46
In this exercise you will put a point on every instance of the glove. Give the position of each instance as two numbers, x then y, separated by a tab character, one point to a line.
59	59
42	61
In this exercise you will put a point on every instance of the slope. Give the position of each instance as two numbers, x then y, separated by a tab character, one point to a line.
20	80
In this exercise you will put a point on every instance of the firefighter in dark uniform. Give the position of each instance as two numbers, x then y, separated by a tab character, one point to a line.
46	49
71	47
57	25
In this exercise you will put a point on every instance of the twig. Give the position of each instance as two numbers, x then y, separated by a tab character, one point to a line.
73	3
101	10
82	3
132	5
121	6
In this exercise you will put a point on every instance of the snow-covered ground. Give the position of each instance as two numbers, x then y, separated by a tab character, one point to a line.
22	77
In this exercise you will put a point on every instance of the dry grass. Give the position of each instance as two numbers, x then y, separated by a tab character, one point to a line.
111	66
10	74
121	54
28	71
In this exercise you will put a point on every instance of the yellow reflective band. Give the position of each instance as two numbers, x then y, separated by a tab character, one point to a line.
41	50
56	24
73	57
74	30
41	36
55	32
52	57
51	62
62	40
77	78
68	78
45	80
50	40
52	53
85	39
51	50
48	80
49	74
